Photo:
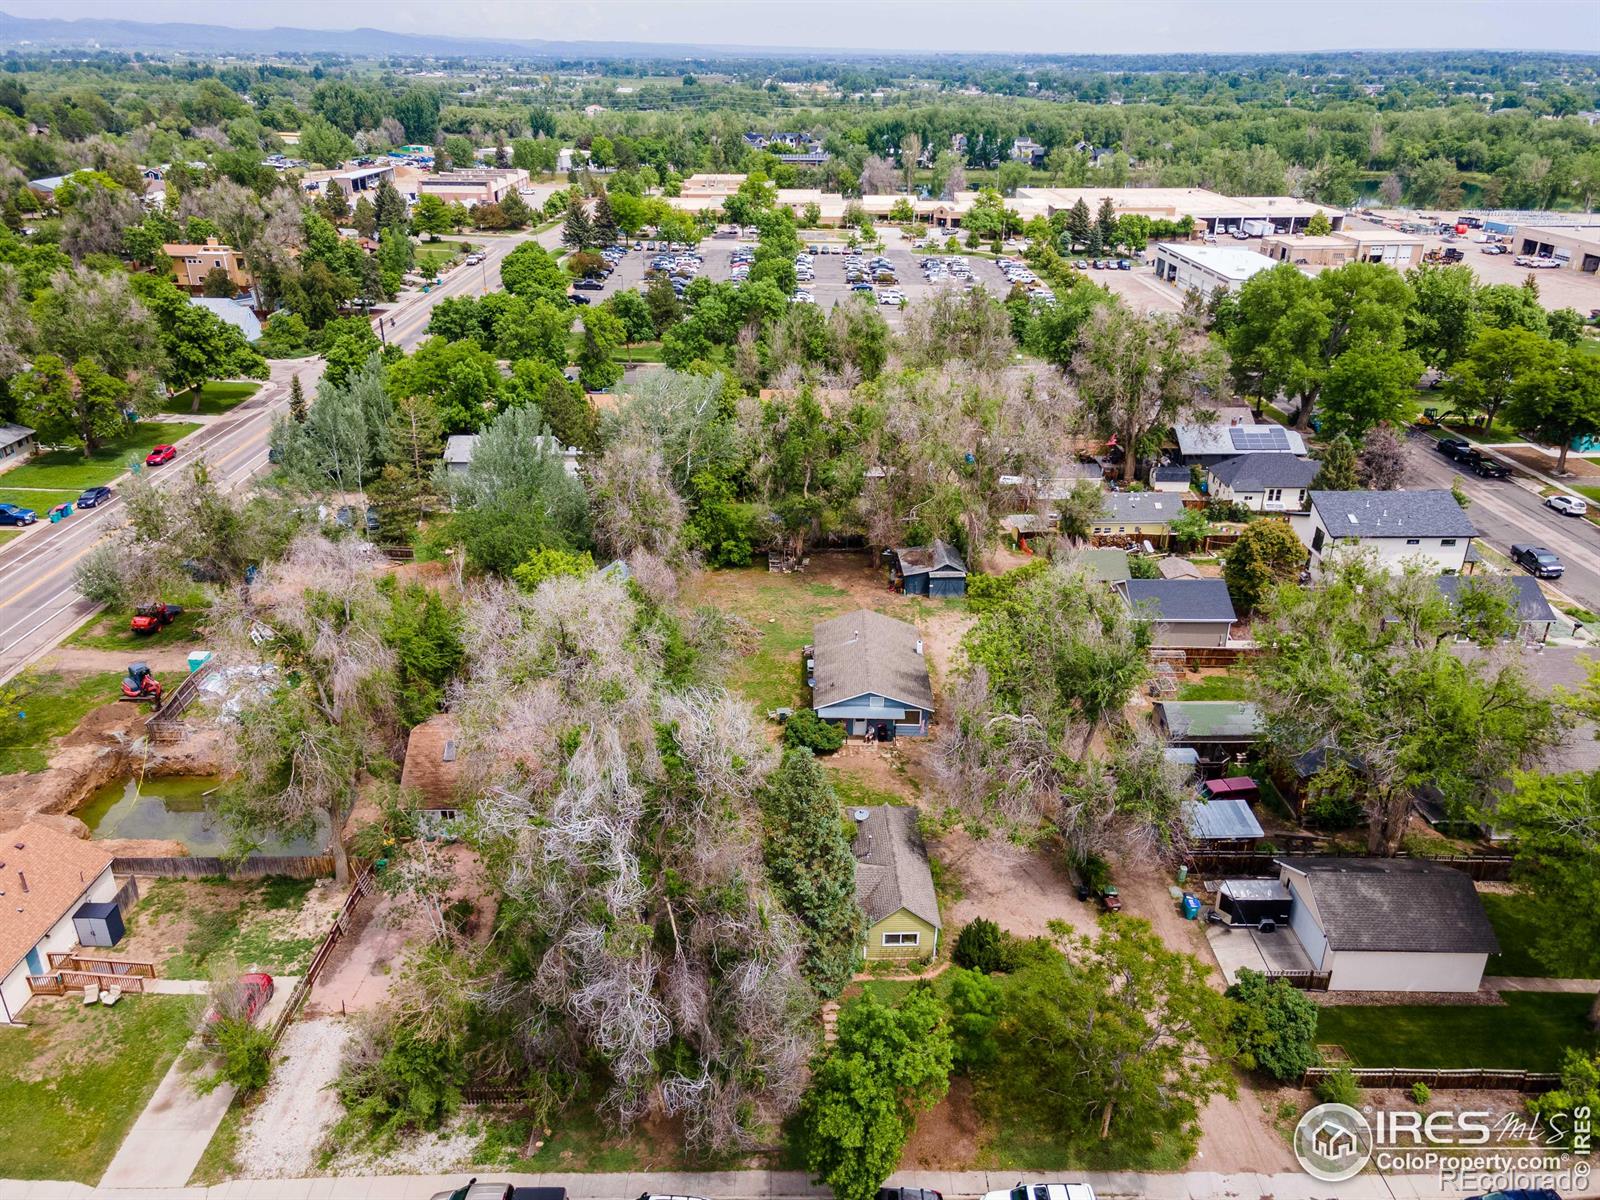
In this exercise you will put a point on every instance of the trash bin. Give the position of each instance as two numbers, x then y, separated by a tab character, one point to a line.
1183	874
1191	906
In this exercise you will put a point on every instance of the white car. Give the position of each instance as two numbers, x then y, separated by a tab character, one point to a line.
1569	506
1044	1191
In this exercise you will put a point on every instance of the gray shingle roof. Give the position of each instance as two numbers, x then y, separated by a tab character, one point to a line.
1220	819
1396	904
1182	599
938	559
1148	508
865	651
1256	472
1530	601
1169	474
1431	513
1208	440
892	866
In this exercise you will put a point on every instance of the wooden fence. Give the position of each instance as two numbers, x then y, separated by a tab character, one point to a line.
1471	1080
59	983
1306	981
493	1095
296	866
1260	863
341	923
399	553
100	964
127	895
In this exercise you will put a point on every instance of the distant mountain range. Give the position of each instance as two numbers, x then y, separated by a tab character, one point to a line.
98	33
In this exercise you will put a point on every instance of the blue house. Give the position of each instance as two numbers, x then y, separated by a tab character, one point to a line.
868	674
935	570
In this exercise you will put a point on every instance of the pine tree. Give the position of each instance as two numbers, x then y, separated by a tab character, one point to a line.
389	209
577	233
1338	472
298	408
604	222
1079	222
404	492
335	206
1108	222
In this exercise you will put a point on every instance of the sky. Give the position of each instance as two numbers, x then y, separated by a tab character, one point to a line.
1048	26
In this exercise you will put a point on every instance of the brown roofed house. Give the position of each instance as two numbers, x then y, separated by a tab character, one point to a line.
433	768
894	884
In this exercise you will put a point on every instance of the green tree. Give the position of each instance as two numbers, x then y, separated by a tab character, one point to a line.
551	562
603	336
634	313
1267	554
460	380
1080	510
812	868
1568	1111
1559	401
405	491
888	1065
577	233
665	307
1512	306
982	946
321	143
1189	528
1319	225
1368	384
389	209
299	409
1445	320
196	343
1485	379
1274	1026
430	216
531	272
561	402
1079	223
77	404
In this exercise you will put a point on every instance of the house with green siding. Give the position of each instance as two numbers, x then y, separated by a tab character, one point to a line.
894	884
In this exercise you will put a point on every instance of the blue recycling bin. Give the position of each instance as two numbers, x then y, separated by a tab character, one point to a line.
1191	906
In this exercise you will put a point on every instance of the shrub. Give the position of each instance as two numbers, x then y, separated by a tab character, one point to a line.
1340	1088
1274	1026
1420	1093
982	946
1142	566
806	729
244	1056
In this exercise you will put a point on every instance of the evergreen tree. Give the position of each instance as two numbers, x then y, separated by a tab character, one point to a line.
812	867
298	408
404	492
516	210
363	219
389	212
1079	222
576	233
1107	222
335	206
604	222
1338	472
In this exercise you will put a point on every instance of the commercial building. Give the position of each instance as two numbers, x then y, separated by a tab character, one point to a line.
1575	247
191	264
1208	269
489	185
1399	250
352	182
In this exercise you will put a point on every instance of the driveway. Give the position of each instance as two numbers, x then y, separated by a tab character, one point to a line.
166	1142
1241	949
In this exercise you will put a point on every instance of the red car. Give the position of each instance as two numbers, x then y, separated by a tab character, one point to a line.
253	991
161	454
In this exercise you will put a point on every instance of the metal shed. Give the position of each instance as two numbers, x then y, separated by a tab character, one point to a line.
98	924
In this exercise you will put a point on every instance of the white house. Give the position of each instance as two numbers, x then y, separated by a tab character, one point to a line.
459	447
45	877
1278	483
1389	924
1397	526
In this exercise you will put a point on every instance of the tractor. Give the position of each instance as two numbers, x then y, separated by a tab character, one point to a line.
152	618
139	686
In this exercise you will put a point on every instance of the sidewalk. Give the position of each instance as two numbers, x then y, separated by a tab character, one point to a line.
781	1185
1533	983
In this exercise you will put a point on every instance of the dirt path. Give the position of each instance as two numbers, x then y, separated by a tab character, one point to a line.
86	660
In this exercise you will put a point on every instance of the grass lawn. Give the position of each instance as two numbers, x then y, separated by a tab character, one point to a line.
1531	1032
111	631
855	793
75	1080
47	707
215	398
1215	687
41	500
781	609
1517	928
435	255
251	922
70	469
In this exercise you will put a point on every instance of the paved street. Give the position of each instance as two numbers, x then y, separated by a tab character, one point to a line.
1506	512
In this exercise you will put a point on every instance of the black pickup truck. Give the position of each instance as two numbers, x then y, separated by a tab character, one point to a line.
474	1190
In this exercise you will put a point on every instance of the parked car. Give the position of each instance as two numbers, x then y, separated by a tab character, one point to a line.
578	299
1568	506
1044	1191
251	994
1495	249
1537	560
474	1190
14	514
1454	447
159	455
1480	464
908	1193
590	284
94	497
153	618
1110	898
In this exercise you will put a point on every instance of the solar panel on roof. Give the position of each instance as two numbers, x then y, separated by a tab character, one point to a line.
1258	437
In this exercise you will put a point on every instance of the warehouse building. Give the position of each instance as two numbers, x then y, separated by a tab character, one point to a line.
1208	269
1575	247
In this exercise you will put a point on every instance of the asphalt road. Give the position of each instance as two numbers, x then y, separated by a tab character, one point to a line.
1507	512
39	604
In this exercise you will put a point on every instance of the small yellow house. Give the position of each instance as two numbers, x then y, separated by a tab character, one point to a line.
894	884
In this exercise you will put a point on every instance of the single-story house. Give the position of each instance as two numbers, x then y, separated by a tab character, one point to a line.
894	884
45	878
1219	730
1136	516
1399	526
433	769
1535	617
236	313
1263	482
459	447
16	443
1212	443
1170	478
868	674
1389	924
935	570
1187	612
1221	824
